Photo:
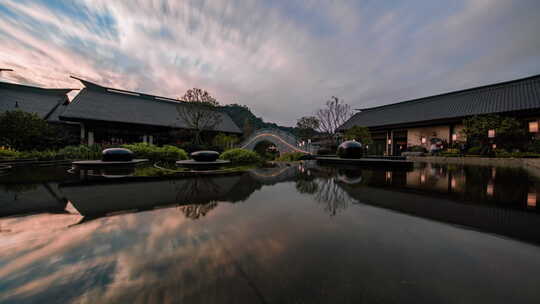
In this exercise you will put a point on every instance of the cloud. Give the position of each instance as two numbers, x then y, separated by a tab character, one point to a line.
282	58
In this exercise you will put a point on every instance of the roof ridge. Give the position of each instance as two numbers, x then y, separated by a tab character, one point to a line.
91	85
492	86
29	87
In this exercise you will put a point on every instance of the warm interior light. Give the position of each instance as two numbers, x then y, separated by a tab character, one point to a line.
453	183
422	178
533	126
454	136
491	133
531	199
489	189
494	146
389	175
389	141
423	140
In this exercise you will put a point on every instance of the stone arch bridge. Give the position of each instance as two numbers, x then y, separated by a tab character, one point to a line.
284	141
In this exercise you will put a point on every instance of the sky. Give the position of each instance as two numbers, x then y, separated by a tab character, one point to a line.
283	59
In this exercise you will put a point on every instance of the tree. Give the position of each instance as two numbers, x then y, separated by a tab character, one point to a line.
27	131
199	112
509	132
248	128
225	141
307	126
335	114
359	133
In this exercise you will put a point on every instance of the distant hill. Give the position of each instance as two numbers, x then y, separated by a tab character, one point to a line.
239	114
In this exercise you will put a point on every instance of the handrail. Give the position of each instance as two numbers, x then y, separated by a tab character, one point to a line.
285	137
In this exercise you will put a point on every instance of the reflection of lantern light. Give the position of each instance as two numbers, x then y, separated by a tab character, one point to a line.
531	199
454	136
423	140
493	172
533	126
494	146
489	190
388	175
491	133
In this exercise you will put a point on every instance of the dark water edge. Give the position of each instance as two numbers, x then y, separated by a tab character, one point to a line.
298	234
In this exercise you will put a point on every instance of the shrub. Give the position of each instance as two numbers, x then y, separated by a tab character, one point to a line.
449	154
291	157
80	152
9	154
475	150
155	153
241	156
534	146
417	149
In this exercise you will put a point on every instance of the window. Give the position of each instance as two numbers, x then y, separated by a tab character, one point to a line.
533	126
423	140
491	133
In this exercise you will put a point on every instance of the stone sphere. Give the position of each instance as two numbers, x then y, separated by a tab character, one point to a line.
116	154
205	156
350	149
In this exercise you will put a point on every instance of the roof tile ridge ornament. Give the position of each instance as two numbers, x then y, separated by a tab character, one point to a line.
89	85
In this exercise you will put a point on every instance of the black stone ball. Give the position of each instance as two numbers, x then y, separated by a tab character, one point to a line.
116	154
205	156
350	149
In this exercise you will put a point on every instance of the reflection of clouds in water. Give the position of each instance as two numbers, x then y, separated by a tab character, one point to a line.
155	253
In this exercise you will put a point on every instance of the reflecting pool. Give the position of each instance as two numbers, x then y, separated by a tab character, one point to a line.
293	234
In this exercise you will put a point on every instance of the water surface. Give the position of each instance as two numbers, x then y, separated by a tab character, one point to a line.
298	234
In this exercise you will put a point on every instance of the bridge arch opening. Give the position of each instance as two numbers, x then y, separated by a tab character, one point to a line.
266	149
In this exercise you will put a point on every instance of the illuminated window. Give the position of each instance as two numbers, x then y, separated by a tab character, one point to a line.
454	136
531	199
423	139
533	126
389	141
422	178
453	183
489	190
491	133
388	175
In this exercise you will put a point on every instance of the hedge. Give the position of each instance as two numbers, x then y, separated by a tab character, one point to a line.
241	156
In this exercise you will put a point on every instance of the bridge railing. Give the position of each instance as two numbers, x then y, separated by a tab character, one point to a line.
283	135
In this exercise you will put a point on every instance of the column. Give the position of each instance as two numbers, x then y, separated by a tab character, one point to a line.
144	139
151	139
83	134
90	138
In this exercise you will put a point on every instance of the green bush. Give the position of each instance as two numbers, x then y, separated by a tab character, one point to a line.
534	146
9	154
80	152
417	149
241	156
475	150
291	157
155	153
449	154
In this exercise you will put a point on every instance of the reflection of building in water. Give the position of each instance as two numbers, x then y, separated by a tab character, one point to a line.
195	211
101	199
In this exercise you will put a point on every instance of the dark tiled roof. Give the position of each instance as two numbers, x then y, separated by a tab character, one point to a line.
43	102
516	95
100	103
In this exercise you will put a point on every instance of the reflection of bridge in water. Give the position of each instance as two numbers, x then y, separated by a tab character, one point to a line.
284	141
